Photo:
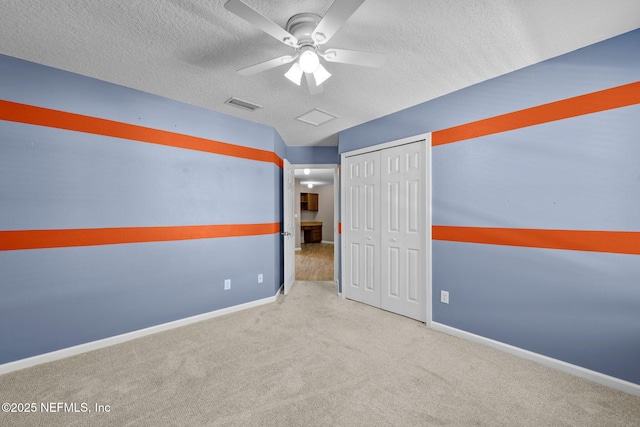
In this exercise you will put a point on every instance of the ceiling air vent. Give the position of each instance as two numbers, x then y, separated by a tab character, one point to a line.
245	105
316	117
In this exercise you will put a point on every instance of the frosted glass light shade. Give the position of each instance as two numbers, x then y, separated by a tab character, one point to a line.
295	73
320	75
309	61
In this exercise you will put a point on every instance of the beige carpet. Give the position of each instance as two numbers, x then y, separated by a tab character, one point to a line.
310	359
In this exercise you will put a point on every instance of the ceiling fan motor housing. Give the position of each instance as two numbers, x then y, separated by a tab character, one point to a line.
301	26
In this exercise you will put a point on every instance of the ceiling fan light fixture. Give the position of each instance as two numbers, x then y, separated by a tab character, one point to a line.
305	32
309	60
295	73
320	75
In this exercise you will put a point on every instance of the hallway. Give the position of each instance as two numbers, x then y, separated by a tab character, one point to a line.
315	262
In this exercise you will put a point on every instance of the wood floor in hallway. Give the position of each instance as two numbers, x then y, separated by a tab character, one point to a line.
315	262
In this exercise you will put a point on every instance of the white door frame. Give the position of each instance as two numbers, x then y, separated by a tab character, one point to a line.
288	226
427	177
336	224
336	207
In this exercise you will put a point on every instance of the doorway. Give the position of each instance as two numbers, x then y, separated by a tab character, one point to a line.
315	216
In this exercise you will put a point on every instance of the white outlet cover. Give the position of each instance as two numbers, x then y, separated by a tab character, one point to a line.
260	278
444	297
227	284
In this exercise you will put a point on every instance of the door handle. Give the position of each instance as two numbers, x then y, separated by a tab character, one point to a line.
286	233
394	240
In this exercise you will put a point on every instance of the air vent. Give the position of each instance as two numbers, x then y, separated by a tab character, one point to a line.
316	117
245	105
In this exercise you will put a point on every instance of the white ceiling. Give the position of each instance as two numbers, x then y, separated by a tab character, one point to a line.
189	50
317	176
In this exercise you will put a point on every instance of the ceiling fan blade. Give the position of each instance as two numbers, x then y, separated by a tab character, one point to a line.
338	13
311	84
262	22
355	57
266	65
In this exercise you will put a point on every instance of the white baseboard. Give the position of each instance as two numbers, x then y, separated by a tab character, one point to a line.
578	371
327	242
298	249
106	342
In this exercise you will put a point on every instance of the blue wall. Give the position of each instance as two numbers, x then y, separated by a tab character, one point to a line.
579	173
59	179
313	155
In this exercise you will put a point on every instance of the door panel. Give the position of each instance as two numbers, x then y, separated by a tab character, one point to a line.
393	277
393	195
353	277
413	278
371	275
402	234
362	230
370	207
414	202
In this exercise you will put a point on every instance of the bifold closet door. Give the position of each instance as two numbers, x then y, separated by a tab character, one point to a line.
384	229
402	236
362	231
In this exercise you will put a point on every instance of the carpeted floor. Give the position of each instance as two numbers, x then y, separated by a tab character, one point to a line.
310	359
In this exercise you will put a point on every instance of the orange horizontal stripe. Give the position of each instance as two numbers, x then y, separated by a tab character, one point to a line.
22	113
41	239
620	242
620	96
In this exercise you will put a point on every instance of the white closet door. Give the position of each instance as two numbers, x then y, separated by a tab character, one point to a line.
402	266
362	228
385	222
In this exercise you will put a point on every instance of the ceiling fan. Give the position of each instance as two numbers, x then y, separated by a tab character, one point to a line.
306	33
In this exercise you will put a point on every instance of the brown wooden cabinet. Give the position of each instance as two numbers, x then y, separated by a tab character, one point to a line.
309	201
312	231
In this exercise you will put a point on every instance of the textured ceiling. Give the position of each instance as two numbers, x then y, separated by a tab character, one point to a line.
189	50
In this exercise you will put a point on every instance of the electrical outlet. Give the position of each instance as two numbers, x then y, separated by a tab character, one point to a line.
227	284
260	278
444	297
